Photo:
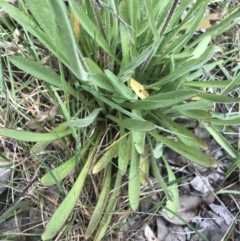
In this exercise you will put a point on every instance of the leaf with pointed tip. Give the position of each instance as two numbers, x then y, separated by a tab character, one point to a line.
85	121
186	136
220	139
190	153
106	158
160	100
219	98
196	114
172	203
101	204
63	211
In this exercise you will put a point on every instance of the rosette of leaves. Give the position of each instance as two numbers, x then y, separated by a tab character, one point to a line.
135	66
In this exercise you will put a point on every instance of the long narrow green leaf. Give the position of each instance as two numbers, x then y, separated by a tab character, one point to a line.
151	19
232	85
219	98
133	14
106	158
161	100
144	167
139	136
75	58
190	153
156	170
125	41
201	48
101	204
174	45
137	61
134	180
173	203
31	136
120	86
235	164
104	224
234	120
102	81
185	68
85	121
186	136
223	26
123	154
60	172
42	17
63	211
194	105
39	146
196	114
30	25
195	15
220	139
91	28
139	140
41	72
208	83
133	124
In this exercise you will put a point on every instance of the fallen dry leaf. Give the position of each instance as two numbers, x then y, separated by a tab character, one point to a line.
149	234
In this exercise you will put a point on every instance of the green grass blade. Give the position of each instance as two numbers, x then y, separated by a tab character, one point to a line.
104	224
133	124
125	41
185	68
219	98
63	211
186	136
33	137
208	84
123	154
120	87
85	121
190	153
106	158
218	29
30	25
134	180
139	136
39	146
42	17
196	105
160	100
151	19
41	72
156	170
102	81
137	61
235	164
60	172
196	114
232	120
91	28
144	168
172	203
75	58
101	204
232	85
201	48
220	139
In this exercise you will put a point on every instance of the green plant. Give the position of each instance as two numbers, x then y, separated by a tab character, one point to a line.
132	65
